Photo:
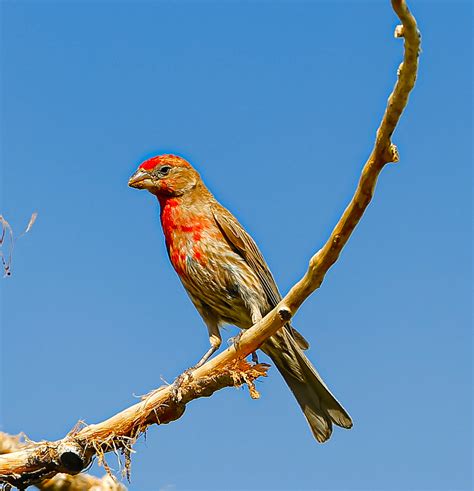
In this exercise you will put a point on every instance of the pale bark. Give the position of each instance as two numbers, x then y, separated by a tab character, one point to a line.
61	482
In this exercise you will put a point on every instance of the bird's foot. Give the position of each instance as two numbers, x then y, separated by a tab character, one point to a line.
255	358
185	377
235	341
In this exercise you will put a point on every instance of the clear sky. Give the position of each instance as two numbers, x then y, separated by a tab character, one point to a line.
276	103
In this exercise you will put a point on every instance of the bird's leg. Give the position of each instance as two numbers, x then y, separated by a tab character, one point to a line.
215	341
206	356
256	316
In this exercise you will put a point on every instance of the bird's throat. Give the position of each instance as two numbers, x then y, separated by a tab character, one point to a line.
182	220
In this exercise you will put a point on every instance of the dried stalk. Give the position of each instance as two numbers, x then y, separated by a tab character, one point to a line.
74	452
7	237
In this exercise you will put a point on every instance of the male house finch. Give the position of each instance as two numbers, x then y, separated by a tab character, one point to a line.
229	281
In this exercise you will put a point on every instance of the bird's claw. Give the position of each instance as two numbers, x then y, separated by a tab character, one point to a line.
236	340
185	377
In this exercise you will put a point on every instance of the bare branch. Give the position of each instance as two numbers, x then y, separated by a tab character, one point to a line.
80	482
74	452
382	153
61	482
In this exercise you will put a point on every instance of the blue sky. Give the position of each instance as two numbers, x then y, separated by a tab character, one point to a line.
276	103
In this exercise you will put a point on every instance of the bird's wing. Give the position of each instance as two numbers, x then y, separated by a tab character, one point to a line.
246	247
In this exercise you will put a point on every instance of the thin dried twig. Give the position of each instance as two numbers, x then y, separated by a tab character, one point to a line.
34	215
7	231
74	452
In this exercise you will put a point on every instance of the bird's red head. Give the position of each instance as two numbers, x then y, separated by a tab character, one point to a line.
165	175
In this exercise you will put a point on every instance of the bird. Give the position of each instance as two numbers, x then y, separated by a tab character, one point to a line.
229	281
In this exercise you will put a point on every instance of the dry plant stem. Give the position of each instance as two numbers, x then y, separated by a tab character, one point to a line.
118	433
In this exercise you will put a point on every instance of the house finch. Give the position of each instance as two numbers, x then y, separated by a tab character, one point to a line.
229	281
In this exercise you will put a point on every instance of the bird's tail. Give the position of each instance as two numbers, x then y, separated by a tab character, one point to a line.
319	406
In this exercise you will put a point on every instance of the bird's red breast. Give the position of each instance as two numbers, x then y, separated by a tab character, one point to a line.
186	232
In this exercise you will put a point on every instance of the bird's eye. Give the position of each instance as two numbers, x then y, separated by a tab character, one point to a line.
164	170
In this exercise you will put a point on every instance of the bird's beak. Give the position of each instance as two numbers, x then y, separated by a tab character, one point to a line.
138	180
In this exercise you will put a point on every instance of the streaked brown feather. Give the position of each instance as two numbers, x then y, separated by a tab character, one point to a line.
246	247
319	405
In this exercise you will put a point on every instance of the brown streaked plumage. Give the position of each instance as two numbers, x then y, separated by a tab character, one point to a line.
228	280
